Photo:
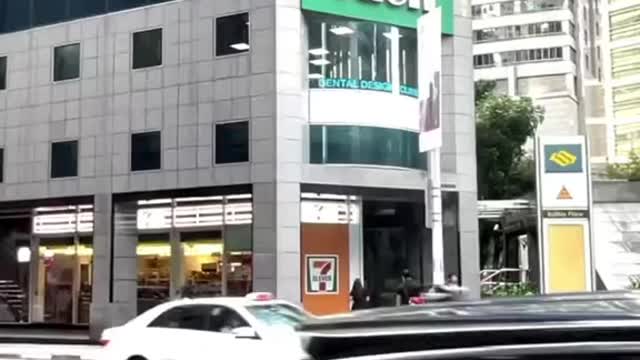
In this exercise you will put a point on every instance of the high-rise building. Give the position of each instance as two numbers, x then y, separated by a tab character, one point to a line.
543	49
621	53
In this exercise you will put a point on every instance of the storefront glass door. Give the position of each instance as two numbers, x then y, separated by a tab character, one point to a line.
63	291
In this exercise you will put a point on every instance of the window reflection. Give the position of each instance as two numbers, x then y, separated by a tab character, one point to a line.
350	54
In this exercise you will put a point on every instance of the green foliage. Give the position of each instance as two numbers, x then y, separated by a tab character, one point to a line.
504	124
483	89
513	290
627	171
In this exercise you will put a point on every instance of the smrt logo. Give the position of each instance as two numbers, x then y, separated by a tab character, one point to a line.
563	158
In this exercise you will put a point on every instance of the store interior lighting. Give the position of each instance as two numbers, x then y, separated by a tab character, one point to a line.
161	250
24	255
320	62
342	30
240	46
390	35
318	52
315	76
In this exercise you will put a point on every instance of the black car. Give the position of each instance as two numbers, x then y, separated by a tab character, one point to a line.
572	326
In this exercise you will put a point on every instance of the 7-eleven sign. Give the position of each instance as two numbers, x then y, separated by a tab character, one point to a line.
322	274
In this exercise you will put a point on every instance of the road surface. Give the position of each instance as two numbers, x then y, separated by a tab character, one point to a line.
48	352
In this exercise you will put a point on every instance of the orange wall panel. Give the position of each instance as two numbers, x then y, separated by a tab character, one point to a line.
326	239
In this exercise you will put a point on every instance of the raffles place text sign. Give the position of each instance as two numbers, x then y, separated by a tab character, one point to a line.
403	13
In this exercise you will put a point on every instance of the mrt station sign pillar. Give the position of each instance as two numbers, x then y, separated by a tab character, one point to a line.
564	215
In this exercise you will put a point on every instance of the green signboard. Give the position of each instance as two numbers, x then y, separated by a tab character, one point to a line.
395	12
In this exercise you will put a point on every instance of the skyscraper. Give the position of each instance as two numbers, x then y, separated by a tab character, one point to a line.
543	49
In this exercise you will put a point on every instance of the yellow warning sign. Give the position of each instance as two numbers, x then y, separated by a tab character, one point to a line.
563	158
564	194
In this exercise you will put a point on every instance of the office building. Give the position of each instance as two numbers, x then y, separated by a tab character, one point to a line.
543	49
222	147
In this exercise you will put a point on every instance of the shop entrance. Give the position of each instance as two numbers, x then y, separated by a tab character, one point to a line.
197	263
62	291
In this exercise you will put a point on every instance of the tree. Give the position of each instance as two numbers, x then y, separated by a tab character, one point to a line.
626	171
504	124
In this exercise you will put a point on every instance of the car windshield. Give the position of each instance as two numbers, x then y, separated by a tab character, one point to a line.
278	314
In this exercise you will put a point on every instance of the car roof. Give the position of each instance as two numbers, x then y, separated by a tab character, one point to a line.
562	307
226	301
540	319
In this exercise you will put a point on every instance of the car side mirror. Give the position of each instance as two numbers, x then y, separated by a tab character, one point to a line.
245	332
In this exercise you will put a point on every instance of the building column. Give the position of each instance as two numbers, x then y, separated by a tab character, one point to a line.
101	285
278	122
125	280
459	146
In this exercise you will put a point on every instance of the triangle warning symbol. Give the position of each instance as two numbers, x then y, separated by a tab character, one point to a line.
564	194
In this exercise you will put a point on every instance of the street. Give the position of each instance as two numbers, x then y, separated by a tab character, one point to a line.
46	352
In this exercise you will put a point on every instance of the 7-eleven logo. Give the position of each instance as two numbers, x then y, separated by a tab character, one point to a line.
322	274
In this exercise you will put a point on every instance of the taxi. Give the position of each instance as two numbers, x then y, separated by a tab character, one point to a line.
255	326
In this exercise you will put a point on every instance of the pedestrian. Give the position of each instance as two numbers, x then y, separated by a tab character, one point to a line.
358	296
408	288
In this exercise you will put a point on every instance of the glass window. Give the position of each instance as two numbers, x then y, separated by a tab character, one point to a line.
83	8
626	101
154	269
14	15
232	142
366	145
191	317
625	23
625	62
223	319
66	62
539	85
278	315
147	48
64	159
202	264
3	73
49	11
232	34
352	54
115	5
145	151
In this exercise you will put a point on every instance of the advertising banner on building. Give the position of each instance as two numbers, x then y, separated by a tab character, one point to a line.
564	207
429	80
403	13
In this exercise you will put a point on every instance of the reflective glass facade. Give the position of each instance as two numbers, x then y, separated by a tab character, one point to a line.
344	144
346	53
16	15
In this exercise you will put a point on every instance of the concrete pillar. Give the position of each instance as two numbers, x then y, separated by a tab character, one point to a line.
101	289
125	283
459	153
278	118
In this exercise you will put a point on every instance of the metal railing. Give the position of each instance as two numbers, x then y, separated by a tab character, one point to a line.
495	279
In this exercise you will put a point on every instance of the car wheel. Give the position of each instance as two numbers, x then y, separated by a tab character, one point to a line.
137	358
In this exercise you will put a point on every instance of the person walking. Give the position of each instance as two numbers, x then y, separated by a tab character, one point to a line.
408	288
358	296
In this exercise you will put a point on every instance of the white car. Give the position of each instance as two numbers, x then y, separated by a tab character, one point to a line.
256	326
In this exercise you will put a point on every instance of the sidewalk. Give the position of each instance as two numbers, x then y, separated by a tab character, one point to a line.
46	352
45	334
